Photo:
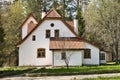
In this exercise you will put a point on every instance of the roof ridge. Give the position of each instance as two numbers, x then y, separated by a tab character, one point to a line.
50	14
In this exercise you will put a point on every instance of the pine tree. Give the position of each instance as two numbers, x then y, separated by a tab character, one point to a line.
81	22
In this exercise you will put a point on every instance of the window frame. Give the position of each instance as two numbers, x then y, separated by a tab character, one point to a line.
42	54
102	56
87	54
46	33
56	33
63	55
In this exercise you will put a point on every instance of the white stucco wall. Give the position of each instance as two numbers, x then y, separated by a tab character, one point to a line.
94	60
75	58
28	49
25	26
103	61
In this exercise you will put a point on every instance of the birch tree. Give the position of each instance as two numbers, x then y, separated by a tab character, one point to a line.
106	20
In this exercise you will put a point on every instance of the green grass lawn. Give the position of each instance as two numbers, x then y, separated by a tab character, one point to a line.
81	70
11	71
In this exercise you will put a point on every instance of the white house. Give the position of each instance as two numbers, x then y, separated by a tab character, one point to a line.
54	42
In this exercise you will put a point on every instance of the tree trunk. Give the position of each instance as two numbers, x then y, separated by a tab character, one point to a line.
116	51
67	66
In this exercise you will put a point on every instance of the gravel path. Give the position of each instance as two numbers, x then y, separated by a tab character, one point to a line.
61	77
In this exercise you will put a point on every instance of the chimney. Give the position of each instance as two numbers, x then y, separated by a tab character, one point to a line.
76	25
43	13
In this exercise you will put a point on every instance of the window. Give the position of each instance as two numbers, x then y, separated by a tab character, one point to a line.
33	38
102	56
52	24
47	33
63	55
56	33
40	53
87	53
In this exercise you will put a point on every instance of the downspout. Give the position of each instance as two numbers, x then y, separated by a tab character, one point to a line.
53	58
99	57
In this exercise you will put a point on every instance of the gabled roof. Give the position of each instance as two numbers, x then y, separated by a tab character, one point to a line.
72	43
50	16
53	14
30	15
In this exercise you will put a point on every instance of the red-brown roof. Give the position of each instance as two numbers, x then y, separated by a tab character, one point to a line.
52	13
48	17
71	23
31	26
66	43
30	15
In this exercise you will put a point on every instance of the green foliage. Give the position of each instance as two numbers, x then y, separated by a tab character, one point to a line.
103	22
11	20
2	34
81	22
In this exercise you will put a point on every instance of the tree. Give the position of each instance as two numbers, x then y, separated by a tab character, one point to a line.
2	34
33	6
65	49
81	22
106	18
11	20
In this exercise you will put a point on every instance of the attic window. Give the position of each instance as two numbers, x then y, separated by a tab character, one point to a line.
52	24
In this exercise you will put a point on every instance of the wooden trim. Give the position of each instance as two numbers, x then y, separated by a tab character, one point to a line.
68	49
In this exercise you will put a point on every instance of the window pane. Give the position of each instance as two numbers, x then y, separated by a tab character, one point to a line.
87	53
40	53
56	33
47	33
102	56
33	38
63	55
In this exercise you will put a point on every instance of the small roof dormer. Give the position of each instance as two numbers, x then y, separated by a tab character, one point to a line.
29	23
